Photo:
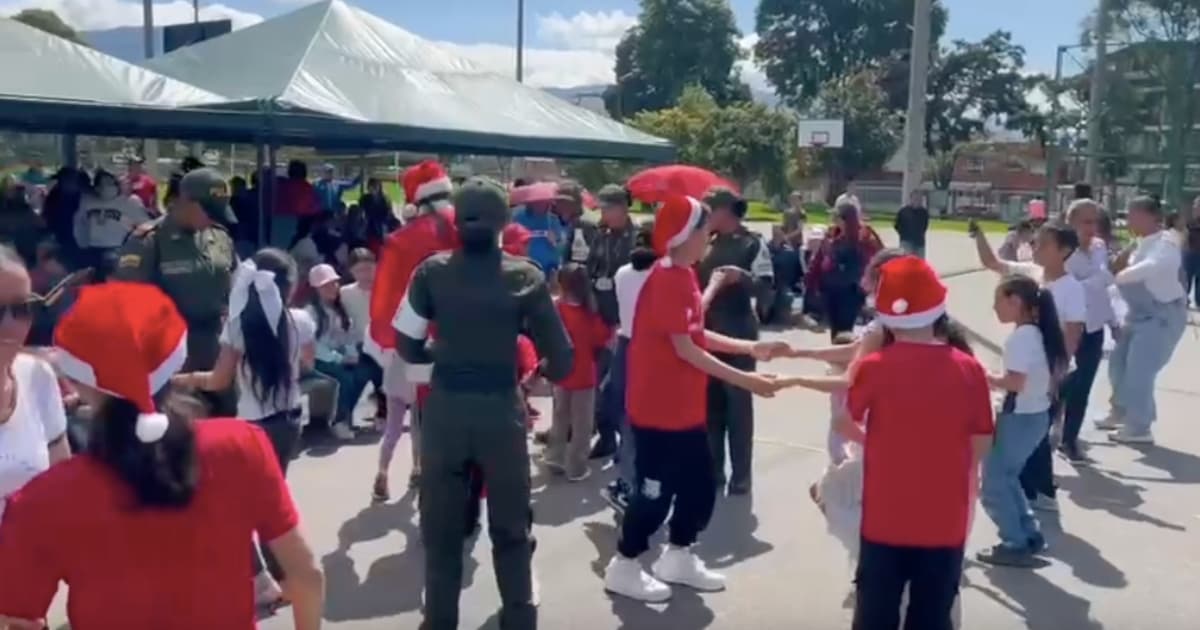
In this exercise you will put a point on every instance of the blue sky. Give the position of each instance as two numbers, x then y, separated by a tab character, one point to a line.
570	41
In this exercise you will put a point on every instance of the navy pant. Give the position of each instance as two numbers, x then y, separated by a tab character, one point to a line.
932	575
1078	387
610	405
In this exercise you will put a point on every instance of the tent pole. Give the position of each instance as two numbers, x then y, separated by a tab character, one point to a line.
260	173
520	41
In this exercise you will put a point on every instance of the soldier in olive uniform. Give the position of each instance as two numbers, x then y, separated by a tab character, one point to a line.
744	252
190	256
610	250
581	231
478	298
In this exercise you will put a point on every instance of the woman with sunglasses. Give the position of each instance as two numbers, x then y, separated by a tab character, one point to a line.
33	424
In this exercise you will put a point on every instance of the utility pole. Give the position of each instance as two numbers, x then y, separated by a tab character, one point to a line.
195	11
520	41
149	146
918	79
1053	149
1096	98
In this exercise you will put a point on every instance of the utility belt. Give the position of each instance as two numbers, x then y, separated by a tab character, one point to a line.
475	379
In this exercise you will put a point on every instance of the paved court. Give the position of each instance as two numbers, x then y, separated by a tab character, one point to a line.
1124	552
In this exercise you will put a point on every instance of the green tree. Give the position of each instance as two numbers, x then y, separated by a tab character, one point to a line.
745	141
873	130
803	44
48	21
970	85
673	45
1166	46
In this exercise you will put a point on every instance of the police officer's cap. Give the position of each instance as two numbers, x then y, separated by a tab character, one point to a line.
482	199
208	188
613	195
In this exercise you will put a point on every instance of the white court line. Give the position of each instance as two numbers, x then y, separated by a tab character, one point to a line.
793	445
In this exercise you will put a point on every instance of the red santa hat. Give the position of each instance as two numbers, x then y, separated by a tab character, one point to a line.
676	219
423	181
909	294
126	340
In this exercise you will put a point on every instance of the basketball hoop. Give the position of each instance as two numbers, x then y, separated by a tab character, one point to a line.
819	139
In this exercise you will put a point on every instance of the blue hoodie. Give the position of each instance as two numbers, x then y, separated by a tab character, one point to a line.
547	236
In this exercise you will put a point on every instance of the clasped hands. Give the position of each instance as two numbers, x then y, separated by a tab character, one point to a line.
765	384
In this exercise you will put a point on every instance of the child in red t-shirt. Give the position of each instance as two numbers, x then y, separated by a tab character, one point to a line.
575	395
919	457
668	369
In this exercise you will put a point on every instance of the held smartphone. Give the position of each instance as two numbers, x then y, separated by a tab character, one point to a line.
972	228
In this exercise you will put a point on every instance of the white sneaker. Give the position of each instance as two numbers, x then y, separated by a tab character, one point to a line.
535	589
1110	422
679	565
625	576
342	431
1124	436
1044	503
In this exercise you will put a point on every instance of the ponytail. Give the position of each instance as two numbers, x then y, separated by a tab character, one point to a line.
1053	341
161	474
267	352
944	329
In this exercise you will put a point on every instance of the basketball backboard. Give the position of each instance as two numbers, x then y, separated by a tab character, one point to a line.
828	134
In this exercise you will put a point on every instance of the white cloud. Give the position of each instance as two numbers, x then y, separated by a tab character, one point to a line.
544	67
585	30
88	15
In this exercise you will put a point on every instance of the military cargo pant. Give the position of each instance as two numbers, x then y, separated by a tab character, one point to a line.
731	418
488	430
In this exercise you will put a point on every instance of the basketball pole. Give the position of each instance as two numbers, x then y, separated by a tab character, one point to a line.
918	77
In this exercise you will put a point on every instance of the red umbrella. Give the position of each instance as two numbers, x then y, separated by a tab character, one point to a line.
652	184
589	200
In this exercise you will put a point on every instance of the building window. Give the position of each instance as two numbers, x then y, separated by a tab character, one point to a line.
1014	165
975	165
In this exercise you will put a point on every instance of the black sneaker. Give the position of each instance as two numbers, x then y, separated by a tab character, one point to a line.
541	437
603	449
1037	544
1004	556
739	488
1074	454
616	494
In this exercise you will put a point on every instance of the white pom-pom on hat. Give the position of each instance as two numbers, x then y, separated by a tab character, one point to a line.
151	427
900	306
408	211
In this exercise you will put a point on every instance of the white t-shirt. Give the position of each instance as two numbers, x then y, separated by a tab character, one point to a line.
302	332
105	223
1024	353
627	283
1069	298
37	420
357	301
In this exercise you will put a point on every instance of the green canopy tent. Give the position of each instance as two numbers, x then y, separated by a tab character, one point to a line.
56	86
330	75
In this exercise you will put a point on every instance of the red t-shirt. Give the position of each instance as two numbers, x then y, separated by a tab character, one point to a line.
588	335
663	391
146	190
182	569
917	456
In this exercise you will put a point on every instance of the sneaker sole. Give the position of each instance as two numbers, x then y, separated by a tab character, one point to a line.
694	587
635	598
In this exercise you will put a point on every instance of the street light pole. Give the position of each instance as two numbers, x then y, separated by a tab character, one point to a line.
148	27
1052	148
1096	98
520	40
918	79
195	11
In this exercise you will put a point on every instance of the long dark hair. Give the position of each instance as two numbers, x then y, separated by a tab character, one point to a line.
643	256
1038	303
268	355
318	305
162	474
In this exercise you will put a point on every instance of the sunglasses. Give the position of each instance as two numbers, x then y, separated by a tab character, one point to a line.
24	309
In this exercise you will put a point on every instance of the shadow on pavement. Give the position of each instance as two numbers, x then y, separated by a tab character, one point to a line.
557	501
1179	466
1040	602
1095	490
730	538
393	583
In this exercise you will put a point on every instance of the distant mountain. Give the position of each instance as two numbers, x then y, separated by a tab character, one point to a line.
124	43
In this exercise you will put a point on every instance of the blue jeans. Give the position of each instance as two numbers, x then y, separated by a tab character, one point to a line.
612	403
351	383
1078	387
1017	435
1147	341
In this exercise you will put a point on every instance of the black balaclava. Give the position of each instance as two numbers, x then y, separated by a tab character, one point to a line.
480	213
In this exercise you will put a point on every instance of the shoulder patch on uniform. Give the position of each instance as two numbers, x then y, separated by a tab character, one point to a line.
129	261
